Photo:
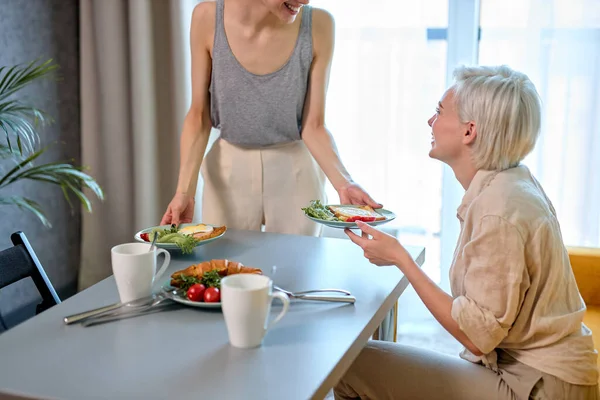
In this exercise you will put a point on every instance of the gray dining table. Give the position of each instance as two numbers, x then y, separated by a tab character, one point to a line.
184	353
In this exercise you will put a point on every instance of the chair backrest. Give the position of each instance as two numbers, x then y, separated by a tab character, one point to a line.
20	262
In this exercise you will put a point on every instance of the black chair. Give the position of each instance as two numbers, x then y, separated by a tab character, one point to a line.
20	262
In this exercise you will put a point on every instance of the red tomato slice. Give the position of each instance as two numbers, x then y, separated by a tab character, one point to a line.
359	218
196	292
212	295
145	237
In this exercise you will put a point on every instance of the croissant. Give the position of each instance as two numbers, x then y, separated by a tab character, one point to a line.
223	267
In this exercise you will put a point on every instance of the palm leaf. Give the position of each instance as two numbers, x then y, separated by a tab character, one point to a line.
5	152
58	173
20	165
19	120
17	77
27	205
70	178
19	124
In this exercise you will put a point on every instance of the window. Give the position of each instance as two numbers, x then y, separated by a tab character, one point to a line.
387	75
557	43
392	62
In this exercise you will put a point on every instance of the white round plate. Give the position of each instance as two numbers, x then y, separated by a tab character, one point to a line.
389	216
173	246
185	301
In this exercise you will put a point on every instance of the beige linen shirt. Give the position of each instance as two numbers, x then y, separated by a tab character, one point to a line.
512	281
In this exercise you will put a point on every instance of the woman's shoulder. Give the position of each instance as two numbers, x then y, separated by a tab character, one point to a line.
203	22
322	21
517	197
322	16
204	12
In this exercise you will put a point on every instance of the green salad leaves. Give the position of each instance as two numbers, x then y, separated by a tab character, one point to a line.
209	279
318	210
171	235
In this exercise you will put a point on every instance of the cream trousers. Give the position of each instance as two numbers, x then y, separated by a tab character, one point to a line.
248	188
385	370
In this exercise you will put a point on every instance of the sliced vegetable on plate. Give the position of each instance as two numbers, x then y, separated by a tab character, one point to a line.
345	216
185	238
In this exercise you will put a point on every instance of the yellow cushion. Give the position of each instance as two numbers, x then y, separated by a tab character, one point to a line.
592	321
585	262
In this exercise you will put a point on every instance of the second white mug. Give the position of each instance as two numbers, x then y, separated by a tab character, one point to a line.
134	268
246	303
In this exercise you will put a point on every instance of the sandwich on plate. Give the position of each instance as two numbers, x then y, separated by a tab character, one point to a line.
355	213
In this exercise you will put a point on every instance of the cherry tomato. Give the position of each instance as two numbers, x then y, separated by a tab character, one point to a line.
196	292
212	295
145	237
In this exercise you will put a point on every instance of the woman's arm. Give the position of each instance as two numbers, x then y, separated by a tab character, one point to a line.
315	134
494	283
197	124
438	302
385	249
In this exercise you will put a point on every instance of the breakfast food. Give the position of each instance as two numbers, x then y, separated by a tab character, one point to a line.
202	231
185	238
223	268
343	213
355	213
202	281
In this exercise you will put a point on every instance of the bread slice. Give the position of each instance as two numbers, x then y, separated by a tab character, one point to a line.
356	213
218	230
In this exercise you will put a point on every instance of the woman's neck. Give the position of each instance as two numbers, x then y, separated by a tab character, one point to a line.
464	170
252	14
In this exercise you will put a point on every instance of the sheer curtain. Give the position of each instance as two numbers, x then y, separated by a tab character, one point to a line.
557	43
387	76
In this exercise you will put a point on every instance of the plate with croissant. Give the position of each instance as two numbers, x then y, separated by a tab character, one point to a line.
202	282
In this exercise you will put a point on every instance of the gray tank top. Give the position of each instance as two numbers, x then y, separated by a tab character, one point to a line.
259	110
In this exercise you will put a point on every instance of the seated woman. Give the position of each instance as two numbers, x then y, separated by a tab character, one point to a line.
515	305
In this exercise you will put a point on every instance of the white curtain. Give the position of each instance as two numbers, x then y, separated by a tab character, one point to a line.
387	75
389	70
557	43
133	93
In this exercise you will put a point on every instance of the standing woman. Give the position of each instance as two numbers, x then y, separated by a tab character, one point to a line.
260	70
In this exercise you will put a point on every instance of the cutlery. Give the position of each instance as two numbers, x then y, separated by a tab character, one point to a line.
71	319
336	299
156	304
298	294
153	241
165	295
104	311
102	319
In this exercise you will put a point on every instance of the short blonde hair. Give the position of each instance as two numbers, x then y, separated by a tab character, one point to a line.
506	109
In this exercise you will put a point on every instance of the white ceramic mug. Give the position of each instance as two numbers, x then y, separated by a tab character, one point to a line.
246	303
134	268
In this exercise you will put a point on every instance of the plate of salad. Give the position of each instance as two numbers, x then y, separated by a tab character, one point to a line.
203	292
345	215
185	237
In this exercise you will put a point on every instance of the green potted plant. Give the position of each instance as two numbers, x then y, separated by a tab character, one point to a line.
20	145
